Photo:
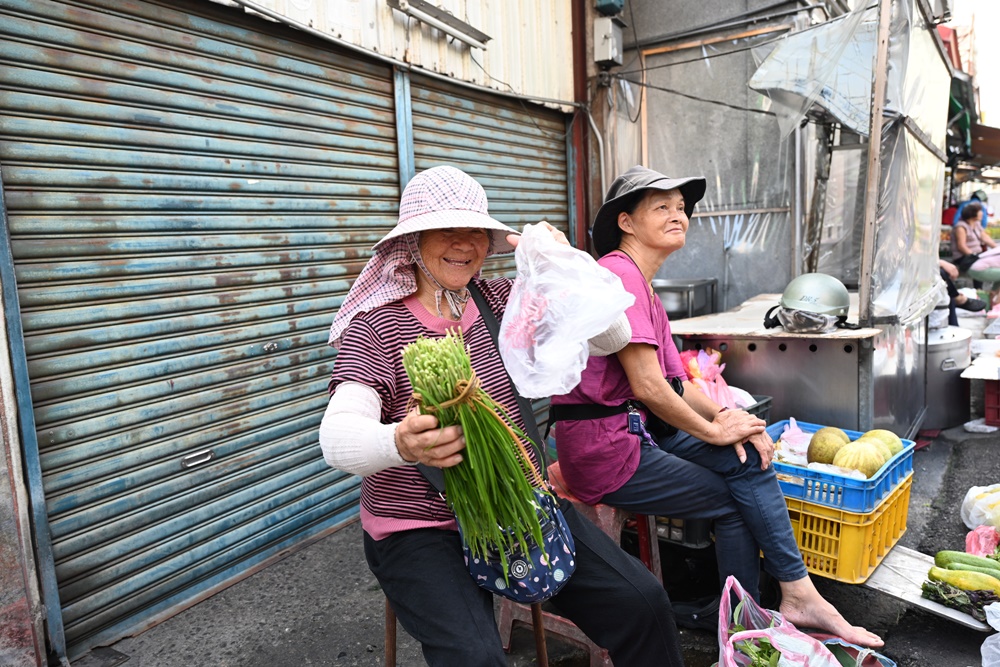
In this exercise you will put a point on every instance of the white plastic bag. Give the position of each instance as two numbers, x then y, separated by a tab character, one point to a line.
981	507
561	299
991	646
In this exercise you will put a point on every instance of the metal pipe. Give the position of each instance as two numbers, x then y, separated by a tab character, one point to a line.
19	494
600	144
579	185
45	562
797	217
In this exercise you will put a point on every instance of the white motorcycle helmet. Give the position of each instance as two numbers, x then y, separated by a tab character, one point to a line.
811	303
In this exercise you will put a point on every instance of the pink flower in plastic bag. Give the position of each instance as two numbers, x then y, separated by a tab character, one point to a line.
702	364
524	322
709	364
982	541
689	359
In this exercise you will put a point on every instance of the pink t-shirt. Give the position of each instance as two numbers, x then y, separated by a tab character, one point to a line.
597	456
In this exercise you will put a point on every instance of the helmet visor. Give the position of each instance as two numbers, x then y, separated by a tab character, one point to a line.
802	321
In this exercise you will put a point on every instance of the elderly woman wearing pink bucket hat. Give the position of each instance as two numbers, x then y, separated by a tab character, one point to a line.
417	284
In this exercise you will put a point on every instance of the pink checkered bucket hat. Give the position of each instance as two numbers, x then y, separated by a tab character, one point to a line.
446	197
438	198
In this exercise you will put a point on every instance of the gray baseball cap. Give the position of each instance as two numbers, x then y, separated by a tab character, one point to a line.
623	194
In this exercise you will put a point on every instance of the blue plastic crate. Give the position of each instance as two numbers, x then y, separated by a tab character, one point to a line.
832	490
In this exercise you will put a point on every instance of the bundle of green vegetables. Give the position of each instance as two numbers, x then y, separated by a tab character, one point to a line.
760	650
492	491
970	602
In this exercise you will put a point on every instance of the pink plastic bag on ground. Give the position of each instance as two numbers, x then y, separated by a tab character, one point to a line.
797	648
982	541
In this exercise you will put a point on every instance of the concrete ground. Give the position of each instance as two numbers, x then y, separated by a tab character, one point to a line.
321	605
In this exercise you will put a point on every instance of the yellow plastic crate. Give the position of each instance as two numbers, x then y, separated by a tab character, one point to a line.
848	546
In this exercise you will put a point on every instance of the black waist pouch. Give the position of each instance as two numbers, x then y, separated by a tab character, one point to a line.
658	428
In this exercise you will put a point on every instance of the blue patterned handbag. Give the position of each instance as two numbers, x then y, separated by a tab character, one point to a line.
545	569
534	576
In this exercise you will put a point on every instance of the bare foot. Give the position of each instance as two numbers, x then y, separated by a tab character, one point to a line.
804	607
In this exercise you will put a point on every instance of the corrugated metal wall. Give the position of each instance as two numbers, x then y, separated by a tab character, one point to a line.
188	201
190	193
530	52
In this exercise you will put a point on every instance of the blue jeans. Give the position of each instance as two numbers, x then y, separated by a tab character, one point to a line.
685	478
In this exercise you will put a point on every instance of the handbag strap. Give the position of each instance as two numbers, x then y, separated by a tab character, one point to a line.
436	475
523	404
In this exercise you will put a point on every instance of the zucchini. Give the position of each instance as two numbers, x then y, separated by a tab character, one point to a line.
967	581
943	558
972	568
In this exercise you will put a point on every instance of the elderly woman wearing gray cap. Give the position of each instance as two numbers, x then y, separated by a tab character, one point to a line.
417	283
636	434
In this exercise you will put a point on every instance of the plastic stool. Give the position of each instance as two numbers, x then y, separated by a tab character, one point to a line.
611	521
534	618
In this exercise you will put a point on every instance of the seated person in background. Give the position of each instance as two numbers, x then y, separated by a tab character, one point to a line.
968	239
417	284
635	434
986	271
980	197
949	274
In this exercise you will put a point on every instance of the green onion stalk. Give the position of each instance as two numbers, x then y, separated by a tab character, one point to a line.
492	491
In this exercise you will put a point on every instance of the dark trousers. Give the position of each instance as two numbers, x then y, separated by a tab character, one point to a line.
685	478
952	293
612	597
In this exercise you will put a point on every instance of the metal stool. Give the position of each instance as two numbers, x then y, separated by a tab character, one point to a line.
611	521
535	618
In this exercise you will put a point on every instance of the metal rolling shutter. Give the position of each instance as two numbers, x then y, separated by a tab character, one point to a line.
190	193
516	150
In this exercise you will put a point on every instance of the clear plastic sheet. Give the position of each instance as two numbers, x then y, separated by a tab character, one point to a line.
827	72
741	233
827	65
904	271
768	164
839	247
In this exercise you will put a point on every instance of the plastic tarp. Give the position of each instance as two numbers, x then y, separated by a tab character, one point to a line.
828	65
827	71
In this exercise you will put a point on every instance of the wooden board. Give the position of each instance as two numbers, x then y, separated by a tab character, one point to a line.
900	575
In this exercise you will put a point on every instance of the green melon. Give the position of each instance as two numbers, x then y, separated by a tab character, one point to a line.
860	455
825	443
891	440
877	444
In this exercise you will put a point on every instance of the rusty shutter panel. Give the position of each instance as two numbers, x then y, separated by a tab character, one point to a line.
190	194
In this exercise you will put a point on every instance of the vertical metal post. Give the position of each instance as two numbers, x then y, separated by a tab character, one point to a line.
404	126
797	217
29	439
874	175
